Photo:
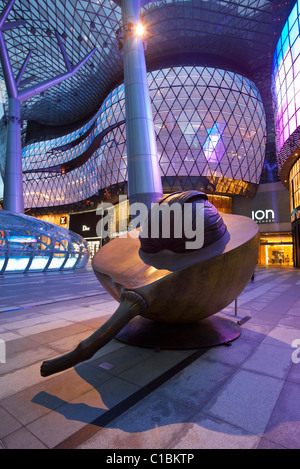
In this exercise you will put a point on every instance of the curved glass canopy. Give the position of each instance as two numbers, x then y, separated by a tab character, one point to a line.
28	244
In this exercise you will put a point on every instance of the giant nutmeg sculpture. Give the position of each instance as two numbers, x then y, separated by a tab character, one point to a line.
170	279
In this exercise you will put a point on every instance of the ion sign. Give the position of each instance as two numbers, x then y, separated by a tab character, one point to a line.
263	216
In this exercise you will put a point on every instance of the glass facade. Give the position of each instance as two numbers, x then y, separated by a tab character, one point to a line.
295	186
286	102
82	26
29	244
62	171
209	123
239	29
236	35
286	79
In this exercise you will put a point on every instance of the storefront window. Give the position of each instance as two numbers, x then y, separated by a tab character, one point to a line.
221	202
276	249
94	246
295	185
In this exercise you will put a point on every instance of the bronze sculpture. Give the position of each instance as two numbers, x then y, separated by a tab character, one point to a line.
160	281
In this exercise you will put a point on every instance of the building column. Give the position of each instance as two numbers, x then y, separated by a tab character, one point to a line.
144	178
13	199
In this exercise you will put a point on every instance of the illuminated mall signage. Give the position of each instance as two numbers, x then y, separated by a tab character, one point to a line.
22	239
84	224
270	206
263	216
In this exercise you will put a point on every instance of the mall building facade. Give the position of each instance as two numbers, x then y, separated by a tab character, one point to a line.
224	84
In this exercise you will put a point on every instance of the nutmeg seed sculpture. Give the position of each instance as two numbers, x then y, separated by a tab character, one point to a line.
167	289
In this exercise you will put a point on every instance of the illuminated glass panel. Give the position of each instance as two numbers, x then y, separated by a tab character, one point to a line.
17	263
211	148
208	122
70	263
286	79
39	263
56	263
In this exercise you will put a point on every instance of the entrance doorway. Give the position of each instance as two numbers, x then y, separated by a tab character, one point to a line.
94	246
276	249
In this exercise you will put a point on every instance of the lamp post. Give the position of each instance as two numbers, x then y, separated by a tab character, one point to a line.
144	178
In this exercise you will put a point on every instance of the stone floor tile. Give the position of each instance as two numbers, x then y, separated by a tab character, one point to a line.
294	373
32	403
122	359
22	439
267	444
57	334
234	355
24	359
246	401
269	360
53	428
223	399
20	380
282	336
8	423
198	435
47	326
153	438
290	320
154	366
284	425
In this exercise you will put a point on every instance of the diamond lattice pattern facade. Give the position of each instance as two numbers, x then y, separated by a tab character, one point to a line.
210	127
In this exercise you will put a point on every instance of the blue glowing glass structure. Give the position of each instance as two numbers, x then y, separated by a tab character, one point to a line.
28	244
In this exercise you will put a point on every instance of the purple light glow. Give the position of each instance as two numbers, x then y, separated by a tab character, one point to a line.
213	147
286	79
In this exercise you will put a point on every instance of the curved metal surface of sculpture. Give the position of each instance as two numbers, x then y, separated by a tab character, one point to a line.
168	287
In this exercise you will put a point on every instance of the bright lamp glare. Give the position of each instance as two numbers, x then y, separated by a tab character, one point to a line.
140	30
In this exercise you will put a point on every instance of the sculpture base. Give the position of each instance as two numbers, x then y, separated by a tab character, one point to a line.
208	332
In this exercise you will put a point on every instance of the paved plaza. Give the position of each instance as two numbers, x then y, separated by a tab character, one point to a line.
243	396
